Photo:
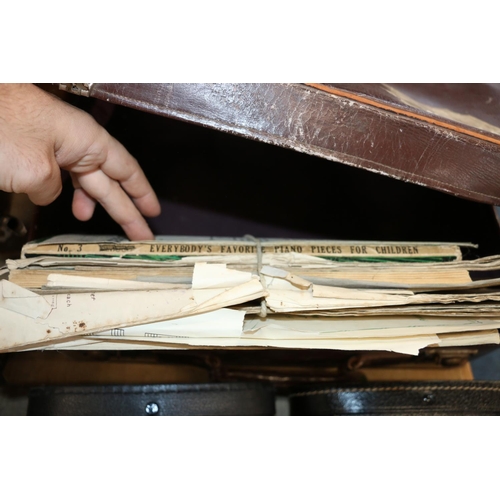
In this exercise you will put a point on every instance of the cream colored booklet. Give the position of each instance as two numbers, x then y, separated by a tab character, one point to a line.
177	247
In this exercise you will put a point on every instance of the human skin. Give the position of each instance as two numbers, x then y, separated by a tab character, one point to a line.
40	135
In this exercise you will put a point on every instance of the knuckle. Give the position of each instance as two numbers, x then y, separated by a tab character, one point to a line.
42	177
43	172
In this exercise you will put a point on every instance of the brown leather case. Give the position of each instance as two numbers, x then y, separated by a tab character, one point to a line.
445	137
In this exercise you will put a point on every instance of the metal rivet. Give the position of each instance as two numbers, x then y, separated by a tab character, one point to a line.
152	409
428	398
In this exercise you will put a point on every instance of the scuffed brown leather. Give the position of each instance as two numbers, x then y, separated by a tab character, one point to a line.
472	107
337	128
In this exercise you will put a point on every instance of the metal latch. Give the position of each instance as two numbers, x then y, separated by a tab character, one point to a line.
76	88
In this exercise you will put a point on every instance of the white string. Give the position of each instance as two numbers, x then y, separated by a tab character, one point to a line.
263	306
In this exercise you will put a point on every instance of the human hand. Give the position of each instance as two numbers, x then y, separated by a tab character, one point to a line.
40	134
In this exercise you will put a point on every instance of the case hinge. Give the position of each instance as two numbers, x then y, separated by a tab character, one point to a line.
76	88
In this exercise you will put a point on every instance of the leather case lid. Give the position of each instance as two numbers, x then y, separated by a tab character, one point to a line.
447	140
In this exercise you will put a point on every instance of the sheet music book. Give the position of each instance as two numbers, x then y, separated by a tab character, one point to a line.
74	292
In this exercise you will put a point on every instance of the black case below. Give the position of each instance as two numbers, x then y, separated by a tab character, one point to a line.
399	398
236	399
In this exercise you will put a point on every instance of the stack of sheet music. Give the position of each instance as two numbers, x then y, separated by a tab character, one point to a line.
95	292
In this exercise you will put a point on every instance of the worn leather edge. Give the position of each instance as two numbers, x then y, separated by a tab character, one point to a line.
329	126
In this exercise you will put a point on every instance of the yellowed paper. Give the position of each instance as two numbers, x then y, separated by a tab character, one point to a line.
77	313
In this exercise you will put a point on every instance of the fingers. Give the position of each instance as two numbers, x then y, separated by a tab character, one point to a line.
108	192
119	185
83	204
108	174
87	146
121	166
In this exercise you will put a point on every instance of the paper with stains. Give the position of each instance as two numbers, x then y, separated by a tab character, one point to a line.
225	328
26	318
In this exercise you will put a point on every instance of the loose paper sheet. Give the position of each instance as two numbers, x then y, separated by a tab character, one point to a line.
27	318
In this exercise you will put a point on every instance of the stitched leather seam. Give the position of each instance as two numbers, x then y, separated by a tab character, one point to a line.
415	412
407	175
401	388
